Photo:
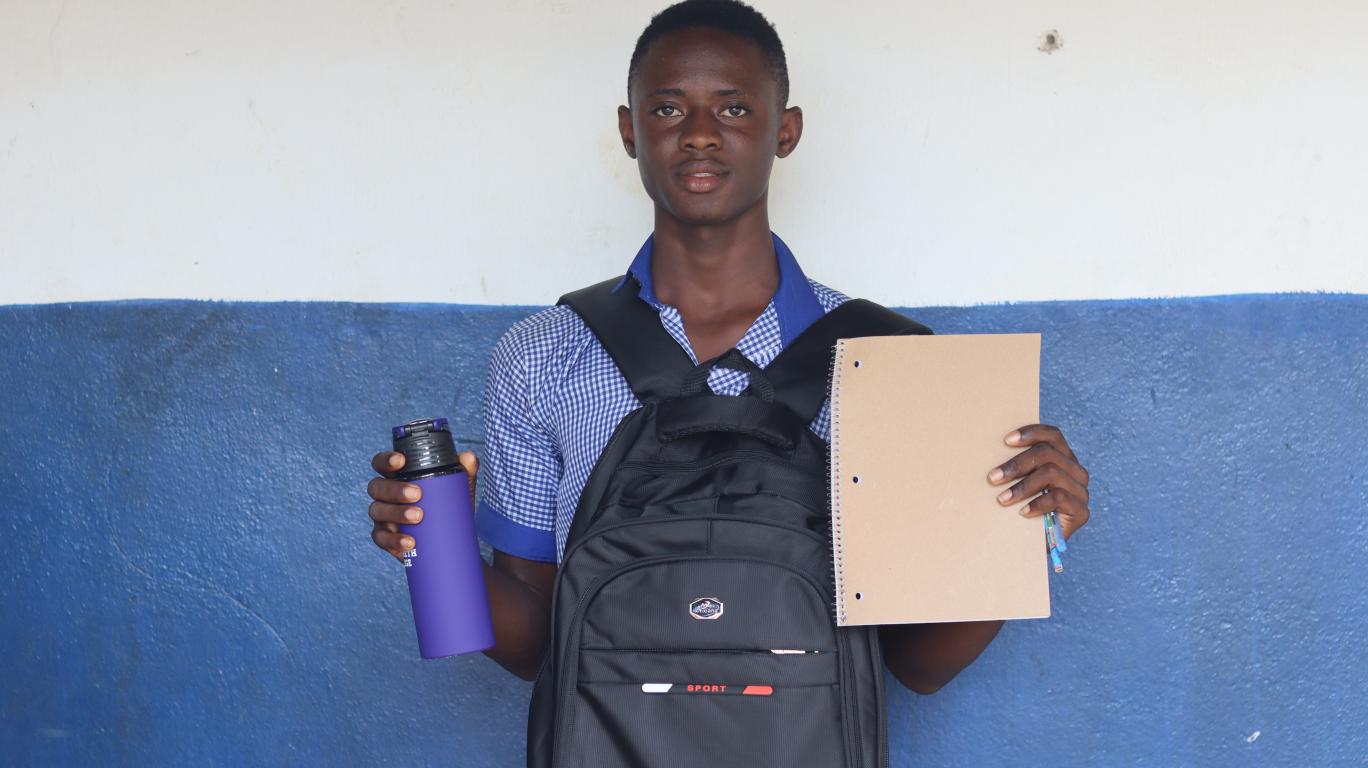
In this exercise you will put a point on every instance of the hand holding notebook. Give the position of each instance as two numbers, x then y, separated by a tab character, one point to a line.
918	533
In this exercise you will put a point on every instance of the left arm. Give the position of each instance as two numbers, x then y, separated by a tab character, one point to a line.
924	657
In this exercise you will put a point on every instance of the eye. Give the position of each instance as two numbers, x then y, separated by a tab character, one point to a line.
735	110
666	110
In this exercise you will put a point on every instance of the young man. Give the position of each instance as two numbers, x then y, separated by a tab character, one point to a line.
708	93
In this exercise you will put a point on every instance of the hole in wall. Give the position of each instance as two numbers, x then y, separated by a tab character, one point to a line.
1049	41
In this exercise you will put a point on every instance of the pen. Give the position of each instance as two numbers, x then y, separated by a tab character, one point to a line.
1055	542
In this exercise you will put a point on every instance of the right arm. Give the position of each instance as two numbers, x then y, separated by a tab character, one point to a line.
521	476
519	589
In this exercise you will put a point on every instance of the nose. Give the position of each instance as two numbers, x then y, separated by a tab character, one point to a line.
700	131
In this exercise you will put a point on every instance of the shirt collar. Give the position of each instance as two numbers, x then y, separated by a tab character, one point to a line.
794	302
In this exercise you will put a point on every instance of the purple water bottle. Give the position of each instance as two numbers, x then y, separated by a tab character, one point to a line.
446	582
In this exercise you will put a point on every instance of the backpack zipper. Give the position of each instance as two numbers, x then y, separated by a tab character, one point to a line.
696	466
678	466
854	755
729	651
881	725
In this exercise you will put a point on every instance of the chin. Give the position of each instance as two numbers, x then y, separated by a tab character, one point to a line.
705	218
703	210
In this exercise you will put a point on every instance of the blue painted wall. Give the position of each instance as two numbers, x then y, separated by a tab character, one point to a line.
189	578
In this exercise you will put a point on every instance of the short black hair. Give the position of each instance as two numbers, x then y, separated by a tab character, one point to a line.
731	16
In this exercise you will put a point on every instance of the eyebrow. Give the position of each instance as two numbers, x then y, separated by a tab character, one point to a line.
680	92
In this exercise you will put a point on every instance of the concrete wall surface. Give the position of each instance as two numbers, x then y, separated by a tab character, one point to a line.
261	150
190	581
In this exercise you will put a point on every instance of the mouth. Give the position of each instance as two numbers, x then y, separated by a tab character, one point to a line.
702	181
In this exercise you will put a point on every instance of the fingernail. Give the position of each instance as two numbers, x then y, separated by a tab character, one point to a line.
1004	496
1024	510
1014	438
411	493
412	515
394	460
407	544
995	476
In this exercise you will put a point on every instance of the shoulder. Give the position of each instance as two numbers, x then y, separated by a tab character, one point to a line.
540	335
538	352
829	298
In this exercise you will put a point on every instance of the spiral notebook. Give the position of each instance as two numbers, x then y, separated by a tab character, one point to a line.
917	422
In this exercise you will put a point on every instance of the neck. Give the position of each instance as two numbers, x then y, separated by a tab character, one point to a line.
711	270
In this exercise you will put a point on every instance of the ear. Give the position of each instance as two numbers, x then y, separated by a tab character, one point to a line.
790	131
628	133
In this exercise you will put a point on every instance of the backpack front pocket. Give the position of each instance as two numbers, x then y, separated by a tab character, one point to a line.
704	660
648	708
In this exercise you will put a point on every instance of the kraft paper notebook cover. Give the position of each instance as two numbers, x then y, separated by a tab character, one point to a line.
917	422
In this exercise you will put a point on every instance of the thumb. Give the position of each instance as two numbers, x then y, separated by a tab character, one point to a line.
471	464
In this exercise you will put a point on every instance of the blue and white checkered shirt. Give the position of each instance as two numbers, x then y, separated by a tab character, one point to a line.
554	398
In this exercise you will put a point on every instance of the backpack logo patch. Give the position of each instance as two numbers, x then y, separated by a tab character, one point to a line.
706	608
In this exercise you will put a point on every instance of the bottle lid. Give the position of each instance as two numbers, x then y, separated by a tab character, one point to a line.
427	446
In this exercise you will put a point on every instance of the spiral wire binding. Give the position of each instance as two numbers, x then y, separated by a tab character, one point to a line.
834	376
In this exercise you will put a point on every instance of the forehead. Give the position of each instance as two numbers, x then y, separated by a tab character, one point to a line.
705	60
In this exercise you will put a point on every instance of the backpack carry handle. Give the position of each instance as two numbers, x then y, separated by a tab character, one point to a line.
732	359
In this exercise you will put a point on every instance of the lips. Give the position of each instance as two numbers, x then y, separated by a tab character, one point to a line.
701	176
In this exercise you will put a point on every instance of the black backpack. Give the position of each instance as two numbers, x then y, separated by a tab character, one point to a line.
692	619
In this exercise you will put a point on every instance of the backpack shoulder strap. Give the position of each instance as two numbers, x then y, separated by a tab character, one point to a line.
649	358
801	371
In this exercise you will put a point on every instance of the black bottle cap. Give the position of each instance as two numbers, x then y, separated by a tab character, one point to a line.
427	447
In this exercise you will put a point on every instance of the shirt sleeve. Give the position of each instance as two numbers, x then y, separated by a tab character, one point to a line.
521	466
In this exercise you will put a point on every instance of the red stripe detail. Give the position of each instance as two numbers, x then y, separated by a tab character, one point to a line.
757	690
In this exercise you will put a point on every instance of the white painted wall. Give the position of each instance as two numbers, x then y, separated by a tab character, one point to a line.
467	151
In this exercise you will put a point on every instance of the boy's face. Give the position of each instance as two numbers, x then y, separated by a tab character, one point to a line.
705	125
